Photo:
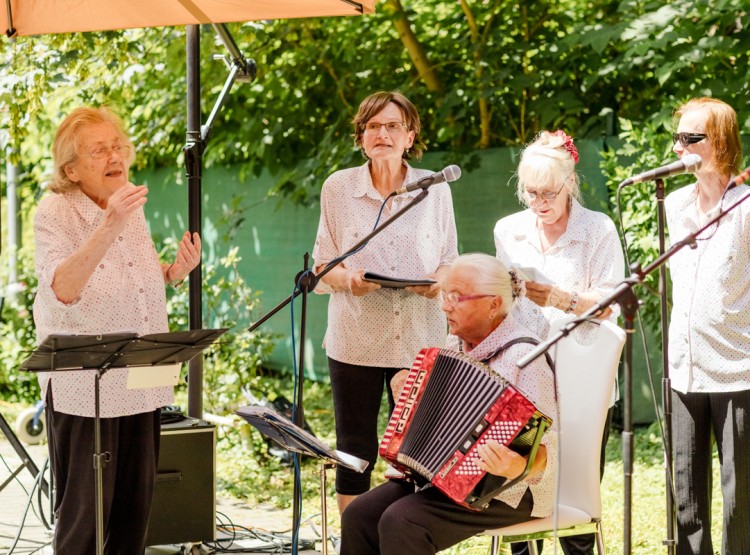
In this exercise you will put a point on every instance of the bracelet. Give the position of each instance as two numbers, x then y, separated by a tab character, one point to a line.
170	281
573	302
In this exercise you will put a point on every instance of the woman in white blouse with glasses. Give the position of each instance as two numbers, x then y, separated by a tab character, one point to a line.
574	252
375	332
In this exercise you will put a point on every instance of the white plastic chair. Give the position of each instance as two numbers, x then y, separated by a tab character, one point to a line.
585	378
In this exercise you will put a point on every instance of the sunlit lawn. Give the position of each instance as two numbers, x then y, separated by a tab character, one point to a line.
272	482
247	472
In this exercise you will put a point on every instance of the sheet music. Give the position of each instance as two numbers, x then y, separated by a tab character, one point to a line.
293	438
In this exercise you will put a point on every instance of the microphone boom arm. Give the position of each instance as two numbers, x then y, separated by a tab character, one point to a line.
620	292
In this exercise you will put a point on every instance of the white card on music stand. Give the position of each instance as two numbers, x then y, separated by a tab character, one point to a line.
141	377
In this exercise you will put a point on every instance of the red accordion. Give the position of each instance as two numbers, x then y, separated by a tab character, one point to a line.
449	405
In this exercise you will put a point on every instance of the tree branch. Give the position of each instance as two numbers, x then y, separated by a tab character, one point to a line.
396	13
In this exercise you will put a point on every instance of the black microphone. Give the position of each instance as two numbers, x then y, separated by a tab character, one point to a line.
687	164
451	173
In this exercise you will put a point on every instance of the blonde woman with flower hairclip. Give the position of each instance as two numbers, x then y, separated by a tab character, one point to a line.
571	255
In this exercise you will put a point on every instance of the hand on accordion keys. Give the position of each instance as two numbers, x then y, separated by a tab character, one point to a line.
500	460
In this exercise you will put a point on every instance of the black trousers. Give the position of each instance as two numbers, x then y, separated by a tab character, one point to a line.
128	480
357	393
582	544
699	419
394	520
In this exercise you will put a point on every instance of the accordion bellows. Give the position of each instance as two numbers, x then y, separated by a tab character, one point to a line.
450	404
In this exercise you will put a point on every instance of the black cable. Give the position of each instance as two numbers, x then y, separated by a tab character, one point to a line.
273	542
29	504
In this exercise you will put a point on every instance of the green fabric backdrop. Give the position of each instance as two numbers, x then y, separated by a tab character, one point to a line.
274	235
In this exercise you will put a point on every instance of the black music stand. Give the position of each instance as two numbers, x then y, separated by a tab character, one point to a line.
291	437
61	353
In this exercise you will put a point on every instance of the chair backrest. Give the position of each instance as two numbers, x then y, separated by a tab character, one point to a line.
585	377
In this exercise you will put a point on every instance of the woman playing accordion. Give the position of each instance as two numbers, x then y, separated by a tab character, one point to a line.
393	518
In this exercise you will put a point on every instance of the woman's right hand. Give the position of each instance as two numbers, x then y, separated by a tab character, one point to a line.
121	205
357	285
398	381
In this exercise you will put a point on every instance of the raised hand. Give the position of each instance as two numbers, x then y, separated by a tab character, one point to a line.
121	204
188	257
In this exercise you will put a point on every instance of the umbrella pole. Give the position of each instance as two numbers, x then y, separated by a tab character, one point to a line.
193	151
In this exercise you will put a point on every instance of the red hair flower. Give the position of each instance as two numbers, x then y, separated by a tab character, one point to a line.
567	143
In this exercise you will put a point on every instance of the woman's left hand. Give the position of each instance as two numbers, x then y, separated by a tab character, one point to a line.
543	294
188	257
429	291
499	460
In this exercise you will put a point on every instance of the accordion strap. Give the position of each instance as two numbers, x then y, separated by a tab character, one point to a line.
516	341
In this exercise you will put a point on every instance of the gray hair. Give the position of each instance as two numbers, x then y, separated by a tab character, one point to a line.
491	277
65	145
546	162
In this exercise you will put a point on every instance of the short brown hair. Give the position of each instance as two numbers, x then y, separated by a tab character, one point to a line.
722	131
374	103
65	145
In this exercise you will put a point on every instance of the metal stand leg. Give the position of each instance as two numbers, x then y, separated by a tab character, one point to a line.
324	505
100	460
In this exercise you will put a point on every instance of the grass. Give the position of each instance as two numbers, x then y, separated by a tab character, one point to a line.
261	480
246	471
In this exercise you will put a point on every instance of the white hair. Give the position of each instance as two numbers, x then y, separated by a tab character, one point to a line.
545	164
490	276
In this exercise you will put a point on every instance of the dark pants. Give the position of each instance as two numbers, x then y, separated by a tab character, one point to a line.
128	480
698	419
357	393
394	520
583	544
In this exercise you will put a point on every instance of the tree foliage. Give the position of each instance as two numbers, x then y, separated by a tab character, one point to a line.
484	73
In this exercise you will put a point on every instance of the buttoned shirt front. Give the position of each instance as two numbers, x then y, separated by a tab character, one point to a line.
124	294
388	327
586	257
709	331
536	382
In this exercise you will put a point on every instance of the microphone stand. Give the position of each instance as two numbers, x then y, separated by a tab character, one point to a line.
624	295
305	282
666	387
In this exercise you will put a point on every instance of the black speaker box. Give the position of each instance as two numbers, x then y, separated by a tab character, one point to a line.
184	506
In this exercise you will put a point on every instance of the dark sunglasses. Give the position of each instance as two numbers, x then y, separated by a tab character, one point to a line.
686	139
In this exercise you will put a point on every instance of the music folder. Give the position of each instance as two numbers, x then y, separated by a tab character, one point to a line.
395	282
291	437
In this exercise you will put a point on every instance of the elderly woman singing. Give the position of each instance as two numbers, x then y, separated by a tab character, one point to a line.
99	273
393	518
572	253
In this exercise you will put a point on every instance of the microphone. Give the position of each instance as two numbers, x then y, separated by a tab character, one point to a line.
687	164
451	173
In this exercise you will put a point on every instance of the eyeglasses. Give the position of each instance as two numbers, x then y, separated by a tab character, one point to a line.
546	195
686	139
393	127
107	151
454	298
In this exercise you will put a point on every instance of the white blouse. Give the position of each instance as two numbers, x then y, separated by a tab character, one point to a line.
125	294
709	332
388	327
536	382
587	257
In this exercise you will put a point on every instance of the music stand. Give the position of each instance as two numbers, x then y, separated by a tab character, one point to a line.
61	353
293	438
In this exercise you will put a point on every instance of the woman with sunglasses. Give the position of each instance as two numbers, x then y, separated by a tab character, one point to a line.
709	332
373	332
570	255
